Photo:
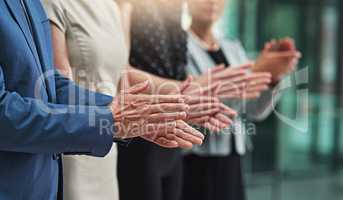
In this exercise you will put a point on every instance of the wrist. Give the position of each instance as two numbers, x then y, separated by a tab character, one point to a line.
274	82
257	68
113	107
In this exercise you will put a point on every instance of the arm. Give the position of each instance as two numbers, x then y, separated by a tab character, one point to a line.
126	9
67	91
259	108
84	97
158	85
278	63
61	56
31	126
279	58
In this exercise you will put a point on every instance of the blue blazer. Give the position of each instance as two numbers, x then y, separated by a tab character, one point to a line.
38	119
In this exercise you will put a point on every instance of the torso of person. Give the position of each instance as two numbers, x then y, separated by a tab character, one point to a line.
97	53
96	43
158	46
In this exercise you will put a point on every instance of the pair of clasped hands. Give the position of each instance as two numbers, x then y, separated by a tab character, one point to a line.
166	119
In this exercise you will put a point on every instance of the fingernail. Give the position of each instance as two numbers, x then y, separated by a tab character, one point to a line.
186	107
186	98
183	115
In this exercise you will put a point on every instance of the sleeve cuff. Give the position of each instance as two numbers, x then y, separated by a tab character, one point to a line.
121	142
103	144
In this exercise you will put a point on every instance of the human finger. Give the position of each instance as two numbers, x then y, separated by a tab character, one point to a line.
155	117
234	87
191	131
229	74
182	143
258	88
150	130
283	55
287	44
198	121
227	96
223	118
216	69
211	127
162	141
245	66
227	110
202	113
166	108
258	82
250	95
258	75
214	121
154	99
203	106
186	84
201	99
182	138
165	117
211	90
233	81
138	88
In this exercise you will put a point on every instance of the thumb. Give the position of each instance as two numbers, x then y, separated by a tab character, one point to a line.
212	89
246	66
138	88
186	84
217	69
217	89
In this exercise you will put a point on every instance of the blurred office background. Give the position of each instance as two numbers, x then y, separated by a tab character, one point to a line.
298	156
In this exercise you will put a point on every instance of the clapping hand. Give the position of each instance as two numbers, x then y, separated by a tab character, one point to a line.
156	118
204	108
278	58
236	82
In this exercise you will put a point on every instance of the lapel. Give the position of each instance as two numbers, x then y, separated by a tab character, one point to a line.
15	8
200	57
234	52
228	52
38	33
39	38
35	41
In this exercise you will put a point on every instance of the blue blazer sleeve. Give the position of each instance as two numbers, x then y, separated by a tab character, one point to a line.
28	125
71	94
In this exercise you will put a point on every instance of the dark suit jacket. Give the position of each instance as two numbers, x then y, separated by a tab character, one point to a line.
42	114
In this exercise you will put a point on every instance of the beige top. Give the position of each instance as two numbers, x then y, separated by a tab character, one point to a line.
95	40
97	53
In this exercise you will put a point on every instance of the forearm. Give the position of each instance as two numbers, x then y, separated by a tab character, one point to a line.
259	109
158	85
126	9
30	126
61	58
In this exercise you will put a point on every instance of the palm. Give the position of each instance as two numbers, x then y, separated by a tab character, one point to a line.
156	118
205	108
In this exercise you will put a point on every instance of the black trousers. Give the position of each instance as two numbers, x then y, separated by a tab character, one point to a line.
213	178
148	172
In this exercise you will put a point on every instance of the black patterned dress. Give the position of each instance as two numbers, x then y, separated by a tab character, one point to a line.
158	46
